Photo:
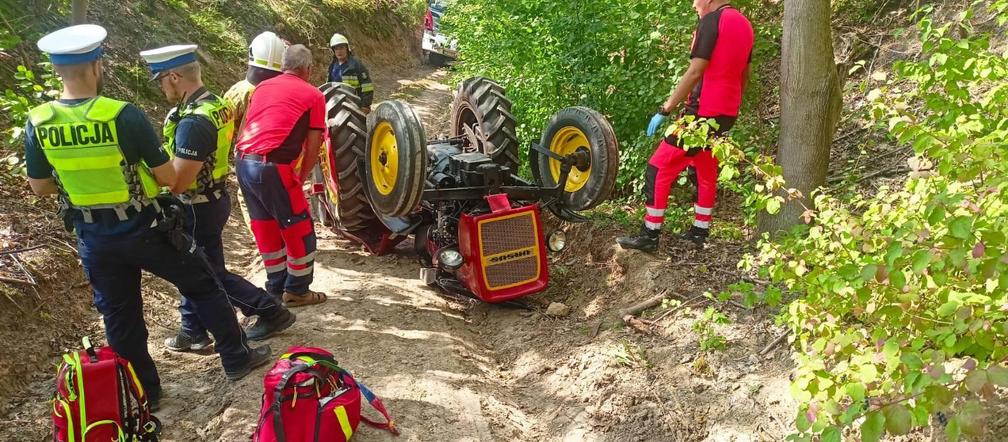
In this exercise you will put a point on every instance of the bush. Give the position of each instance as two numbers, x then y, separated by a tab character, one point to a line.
31	89
903	307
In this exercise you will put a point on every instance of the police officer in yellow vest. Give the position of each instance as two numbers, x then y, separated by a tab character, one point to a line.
198	133
102	159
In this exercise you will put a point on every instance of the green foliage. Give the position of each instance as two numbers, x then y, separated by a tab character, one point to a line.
8	39
630	355
705	327
903	306
30	90
621	58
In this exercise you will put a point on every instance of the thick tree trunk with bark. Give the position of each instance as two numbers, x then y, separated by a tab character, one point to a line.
78	12
810	106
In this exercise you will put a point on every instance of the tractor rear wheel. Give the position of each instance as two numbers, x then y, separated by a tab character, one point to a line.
343	158
481	109
396	159
572	130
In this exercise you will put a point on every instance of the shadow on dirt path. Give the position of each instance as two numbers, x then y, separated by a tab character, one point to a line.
459	371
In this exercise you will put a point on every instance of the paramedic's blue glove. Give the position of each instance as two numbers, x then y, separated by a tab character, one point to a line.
656	122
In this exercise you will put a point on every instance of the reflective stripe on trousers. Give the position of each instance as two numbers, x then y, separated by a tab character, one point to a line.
664	167
281	224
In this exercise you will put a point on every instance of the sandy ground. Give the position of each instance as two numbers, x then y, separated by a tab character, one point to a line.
451	370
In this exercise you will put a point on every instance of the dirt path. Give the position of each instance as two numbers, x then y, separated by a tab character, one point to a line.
451	371
414	348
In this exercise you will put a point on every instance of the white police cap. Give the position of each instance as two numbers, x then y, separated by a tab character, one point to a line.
74	44
168	57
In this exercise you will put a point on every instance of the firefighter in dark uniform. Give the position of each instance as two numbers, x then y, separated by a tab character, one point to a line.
198	133
348	69
104	162
710	89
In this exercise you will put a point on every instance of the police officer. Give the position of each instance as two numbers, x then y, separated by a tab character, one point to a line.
710	89
345	68
198	133
103	160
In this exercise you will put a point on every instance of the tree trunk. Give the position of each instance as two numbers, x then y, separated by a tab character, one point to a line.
78	14
810	106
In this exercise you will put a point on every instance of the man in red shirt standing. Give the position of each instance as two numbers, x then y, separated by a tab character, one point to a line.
710	89
284	122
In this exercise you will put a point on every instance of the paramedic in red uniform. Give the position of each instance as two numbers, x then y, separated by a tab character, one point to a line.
285	118
711	88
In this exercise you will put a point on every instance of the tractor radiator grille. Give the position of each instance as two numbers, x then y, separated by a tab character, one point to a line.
510	250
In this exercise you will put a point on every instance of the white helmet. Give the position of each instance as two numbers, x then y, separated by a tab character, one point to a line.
267	51
338	39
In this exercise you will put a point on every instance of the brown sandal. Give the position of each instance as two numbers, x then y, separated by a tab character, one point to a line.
307	298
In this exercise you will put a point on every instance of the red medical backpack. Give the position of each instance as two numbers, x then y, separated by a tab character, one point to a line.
99	398
309	398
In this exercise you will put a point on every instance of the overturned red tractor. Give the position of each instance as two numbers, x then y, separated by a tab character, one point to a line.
476	224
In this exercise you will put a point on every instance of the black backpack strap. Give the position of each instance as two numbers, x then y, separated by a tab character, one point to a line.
92	355
278	397
151	430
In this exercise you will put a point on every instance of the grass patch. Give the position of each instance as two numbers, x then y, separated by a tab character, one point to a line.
630	355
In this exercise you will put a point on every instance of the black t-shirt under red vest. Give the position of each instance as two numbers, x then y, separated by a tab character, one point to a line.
724	37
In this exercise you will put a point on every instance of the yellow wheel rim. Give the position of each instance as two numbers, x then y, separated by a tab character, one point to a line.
384	158
566	141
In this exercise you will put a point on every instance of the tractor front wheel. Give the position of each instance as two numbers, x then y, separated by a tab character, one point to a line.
579	129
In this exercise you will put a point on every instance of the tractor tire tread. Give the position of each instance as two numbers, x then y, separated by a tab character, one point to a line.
345	122
488	100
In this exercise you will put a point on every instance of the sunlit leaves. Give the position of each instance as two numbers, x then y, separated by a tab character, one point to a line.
30	90
912	279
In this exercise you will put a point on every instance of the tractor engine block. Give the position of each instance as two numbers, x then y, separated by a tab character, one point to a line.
452	168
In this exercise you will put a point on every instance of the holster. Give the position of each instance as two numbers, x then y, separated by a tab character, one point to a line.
171	224
68	215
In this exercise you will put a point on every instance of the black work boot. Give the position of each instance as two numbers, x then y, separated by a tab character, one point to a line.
154	399
266	326
257	357
695	235
645	241
182	342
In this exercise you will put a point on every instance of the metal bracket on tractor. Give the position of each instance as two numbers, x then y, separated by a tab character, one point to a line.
376	239
551	197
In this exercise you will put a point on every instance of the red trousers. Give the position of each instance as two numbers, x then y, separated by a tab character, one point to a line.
664	167
281	224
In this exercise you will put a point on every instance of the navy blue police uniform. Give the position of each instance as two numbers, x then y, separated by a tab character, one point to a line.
117	240
196	139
